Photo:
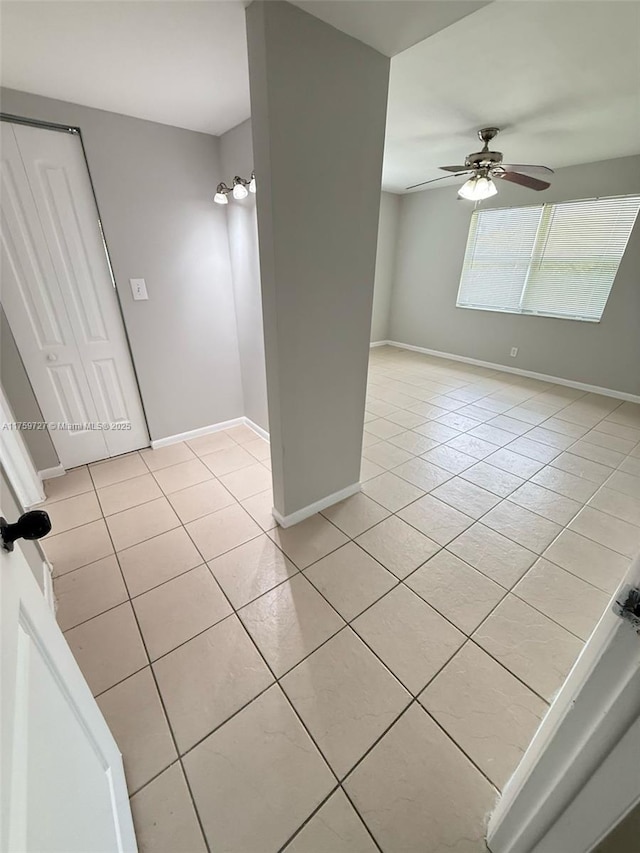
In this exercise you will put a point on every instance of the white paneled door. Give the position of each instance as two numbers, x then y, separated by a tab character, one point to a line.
62	785
59	298
580	775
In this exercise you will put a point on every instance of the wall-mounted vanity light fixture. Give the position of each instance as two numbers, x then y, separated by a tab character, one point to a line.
240	189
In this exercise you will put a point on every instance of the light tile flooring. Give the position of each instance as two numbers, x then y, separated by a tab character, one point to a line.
368	679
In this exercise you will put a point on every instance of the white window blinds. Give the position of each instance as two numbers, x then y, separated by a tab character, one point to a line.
498	256
556	260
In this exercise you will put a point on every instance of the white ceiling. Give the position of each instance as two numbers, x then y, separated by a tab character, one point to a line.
178	63
562	79
390	26
182	62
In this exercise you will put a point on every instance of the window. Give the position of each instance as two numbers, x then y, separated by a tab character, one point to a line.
555	260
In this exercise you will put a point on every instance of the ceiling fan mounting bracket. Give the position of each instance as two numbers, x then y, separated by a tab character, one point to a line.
486	134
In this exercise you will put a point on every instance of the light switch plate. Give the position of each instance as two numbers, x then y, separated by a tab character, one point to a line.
138	288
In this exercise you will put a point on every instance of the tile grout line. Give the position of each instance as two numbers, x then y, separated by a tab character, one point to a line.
286	697
502	499
509	590
389	470
414	698
96	489
164	711
309	818
400	581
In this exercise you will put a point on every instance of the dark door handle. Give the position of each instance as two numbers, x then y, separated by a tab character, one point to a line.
32	525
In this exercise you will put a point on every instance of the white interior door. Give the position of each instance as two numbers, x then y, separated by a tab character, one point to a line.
62	780
59	297
580	776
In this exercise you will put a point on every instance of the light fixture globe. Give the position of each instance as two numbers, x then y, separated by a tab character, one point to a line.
252	183
478	188
221	194
239	188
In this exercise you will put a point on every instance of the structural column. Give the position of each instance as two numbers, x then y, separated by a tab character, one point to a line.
318	107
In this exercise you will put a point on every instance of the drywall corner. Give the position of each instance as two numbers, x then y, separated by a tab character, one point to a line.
386	254
236	155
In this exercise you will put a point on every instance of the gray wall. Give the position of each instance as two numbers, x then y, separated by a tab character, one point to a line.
385	265
318	105
236	154
155	187
20	396
431	242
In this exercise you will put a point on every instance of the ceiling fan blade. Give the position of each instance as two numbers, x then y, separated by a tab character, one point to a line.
523	180
453	168
443	178
530	170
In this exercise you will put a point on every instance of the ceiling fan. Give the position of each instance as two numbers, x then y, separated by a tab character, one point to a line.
483	166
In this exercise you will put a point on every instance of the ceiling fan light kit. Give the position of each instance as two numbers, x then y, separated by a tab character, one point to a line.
484	167
478	188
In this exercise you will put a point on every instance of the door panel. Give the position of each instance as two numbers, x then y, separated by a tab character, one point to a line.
36	312
24	251
63	195
64	379
580	772
112	399
59	296
70	252
62	780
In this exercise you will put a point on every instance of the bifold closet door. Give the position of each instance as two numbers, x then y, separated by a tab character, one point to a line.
59	297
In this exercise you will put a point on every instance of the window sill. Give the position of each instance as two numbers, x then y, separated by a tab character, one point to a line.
529	313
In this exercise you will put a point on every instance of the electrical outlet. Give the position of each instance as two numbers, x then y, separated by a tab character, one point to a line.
514	352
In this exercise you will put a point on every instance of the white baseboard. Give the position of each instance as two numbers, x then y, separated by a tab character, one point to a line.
196	433
544	377
378	344
47	582
307	511
257	429
50	473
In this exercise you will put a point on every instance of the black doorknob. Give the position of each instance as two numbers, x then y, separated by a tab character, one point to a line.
32	525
